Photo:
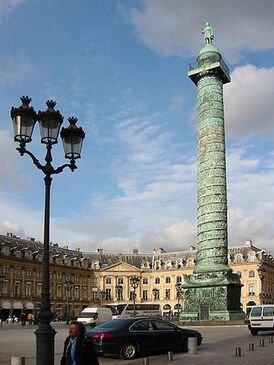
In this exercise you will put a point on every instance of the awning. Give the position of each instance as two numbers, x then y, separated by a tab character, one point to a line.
29	305
6	305
17	305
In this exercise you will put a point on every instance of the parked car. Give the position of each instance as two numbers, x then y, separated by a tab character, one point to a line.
95	316
130	337
261	318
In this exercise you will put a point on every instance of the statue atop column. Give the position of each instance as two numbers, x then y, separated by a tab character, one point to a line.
208	33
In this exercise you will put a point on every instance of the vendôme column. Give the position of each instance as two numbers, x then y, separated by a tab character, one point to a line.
212	291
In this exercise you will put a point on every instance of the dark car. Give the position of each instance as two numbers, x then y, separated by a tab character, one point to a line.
130	337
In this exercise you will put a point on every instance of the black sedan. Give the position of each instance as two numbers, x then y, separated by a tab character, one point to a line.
130	337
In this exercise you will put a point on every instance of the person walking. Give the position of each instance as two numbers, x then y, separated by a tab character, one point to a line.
78	348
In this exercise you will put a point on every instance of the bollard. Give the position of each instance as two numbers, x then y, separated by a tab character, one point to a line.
146	361
192	345
251	346
170	355
238	352
270	339
261	343
17	360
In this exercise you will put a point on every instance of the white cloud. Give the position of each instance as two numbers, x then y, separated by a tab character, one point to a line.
250	188
6	6
176	102
178	236
13	69
10	164
173	27
249	107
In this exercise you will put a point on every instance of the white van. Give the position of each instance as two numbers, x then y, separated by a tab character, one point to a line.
261	318
94	316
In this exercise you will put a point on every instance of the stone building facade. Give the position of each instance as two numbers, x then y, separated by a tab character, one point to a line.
81	279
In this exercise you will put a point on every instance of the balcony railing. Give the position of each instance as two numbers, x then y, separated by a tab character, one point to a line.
193	66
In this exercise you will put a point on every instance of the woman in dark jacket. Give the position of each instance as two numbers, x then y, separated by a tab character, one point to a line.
78	349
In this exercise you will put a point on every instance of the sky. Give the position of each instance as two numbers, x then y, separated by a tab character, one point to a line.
121	68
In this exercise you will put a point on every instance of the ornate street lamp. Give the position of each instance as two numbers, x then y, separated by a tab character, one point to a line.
50	120
102	295
155	293
179	292
134	283
261	272
68	285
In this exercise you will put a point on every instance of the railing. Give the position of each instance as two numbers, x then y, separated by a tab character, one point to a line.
193	66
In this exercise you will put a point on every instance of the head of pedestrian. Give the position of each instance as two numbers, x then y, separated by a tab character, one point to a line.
76	329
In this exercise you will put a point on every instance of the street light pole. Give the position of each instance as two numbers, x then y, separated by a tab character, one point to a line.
261	273
68	286
155	293
134	282
24	119
179	292
102	295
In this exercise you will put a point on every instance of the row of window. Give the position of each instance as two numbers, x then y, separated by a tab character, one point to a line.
107	294
30	291
251	273
29	274
120	280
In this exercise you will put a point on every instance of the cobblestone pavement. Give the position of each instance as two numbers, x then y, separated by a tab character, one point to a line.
218	348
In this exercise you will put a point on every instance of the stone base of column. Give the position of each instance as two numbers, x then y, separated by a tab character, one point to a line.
212	296
45	344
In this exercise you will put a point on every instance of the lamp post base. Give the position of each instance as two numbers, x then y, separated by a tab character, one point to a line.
45	344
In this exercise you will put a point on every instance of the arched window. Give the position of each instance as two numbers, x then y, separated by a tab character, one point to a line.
179	264
238	259
157	265
120	280
251	257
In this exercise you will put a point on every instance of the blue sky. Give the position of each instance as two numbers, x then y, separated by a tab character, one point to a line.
121	68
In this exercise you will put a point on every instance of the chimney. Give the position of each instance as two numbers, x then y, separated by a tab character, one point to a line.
65	247
248	243
99	250
135	251
9	234
77	249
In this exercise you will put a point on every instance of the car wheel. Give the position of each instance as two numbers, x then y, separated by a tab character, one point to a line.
128	351
254	332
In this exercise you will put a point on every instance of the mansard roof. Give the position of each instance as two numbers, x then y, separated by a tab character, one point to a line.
17	243
107	259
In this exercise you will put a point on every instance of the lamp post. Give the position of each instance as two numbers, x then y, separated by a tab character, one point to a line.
134	283
155	293
24	119
179	292
2	277
102	295
261	272
68	286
